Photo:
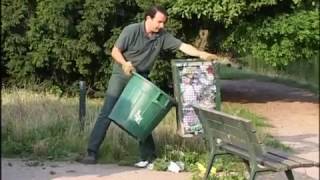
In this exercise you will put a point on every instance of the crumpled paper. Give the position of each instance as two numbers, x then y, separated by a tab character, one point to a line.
176	167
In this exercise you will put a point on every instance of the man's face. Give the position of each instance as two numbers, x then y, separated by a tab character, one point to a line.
157	23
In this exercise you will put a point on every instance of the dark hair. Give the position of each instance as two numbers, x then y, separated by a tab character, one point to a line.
153	10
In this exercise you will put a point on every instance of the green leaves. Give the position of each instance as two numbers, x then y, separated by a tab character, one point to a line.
224	11
14	44
64	41
278	41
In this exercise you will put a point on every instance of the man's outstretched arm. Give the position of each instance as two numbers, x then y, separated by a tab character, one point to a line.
192	51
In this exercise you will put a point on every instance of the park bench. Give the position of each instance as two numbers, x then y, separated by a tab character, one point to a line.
229	134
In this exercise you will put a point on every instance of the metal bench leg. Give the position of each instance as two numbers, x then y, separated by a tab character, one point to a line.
210	162
253	174
253	170
246	162
289	174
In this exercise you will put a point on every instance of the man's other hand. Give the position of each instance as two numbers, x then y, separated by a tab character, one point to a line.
208	56
128	68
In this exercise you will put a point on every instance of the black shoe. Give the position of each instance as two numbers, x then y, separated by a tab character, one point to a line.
90	158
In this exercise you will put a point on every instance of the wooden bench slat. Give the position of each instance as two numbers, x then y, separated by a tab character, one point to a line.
229	138
300	161
274	164
234	149
267	162
227	129
287	155
289	164
222	117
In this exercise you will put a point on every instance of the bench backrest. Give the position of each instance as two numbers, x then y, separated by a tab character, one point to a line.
229	129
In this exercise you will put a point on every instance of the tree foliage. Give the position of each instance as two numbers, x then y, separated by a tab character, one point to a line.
62	42
14	44
278	41
224	11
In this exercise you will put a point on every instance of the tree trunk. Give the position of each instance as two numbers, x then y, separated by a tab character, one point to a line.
202	40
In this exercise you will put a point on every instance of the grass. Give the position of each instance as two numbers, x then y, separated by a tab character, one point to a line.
46	127
305	71
38	124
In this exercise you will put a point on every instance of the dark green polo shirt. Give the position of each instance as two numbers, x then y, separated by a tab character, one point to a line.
142	50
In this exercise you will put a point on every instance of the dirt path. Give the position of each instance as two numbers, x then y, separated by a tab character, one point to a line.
293	113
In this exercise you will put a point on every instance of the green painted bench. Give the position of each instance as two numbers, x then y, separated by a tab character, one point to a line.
228	134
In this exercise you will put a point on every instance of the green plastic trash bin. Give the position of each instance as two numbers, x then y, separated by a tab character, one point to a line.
141	107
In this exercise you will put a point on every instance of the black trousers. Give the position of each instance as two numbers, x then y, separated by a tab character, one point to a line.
116	85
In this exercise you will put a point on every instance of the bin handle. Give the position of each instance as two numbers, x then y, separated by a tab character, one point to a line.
157	100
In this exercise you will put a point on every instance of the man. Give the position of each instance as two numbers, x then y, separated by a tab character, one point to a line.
136	50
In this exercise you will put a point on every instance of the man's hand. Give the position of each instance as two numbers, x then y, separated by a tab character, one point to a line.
128	68
208	56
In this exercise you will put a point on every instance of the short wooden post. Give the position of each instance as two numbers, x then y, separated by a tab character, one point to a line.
82	104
